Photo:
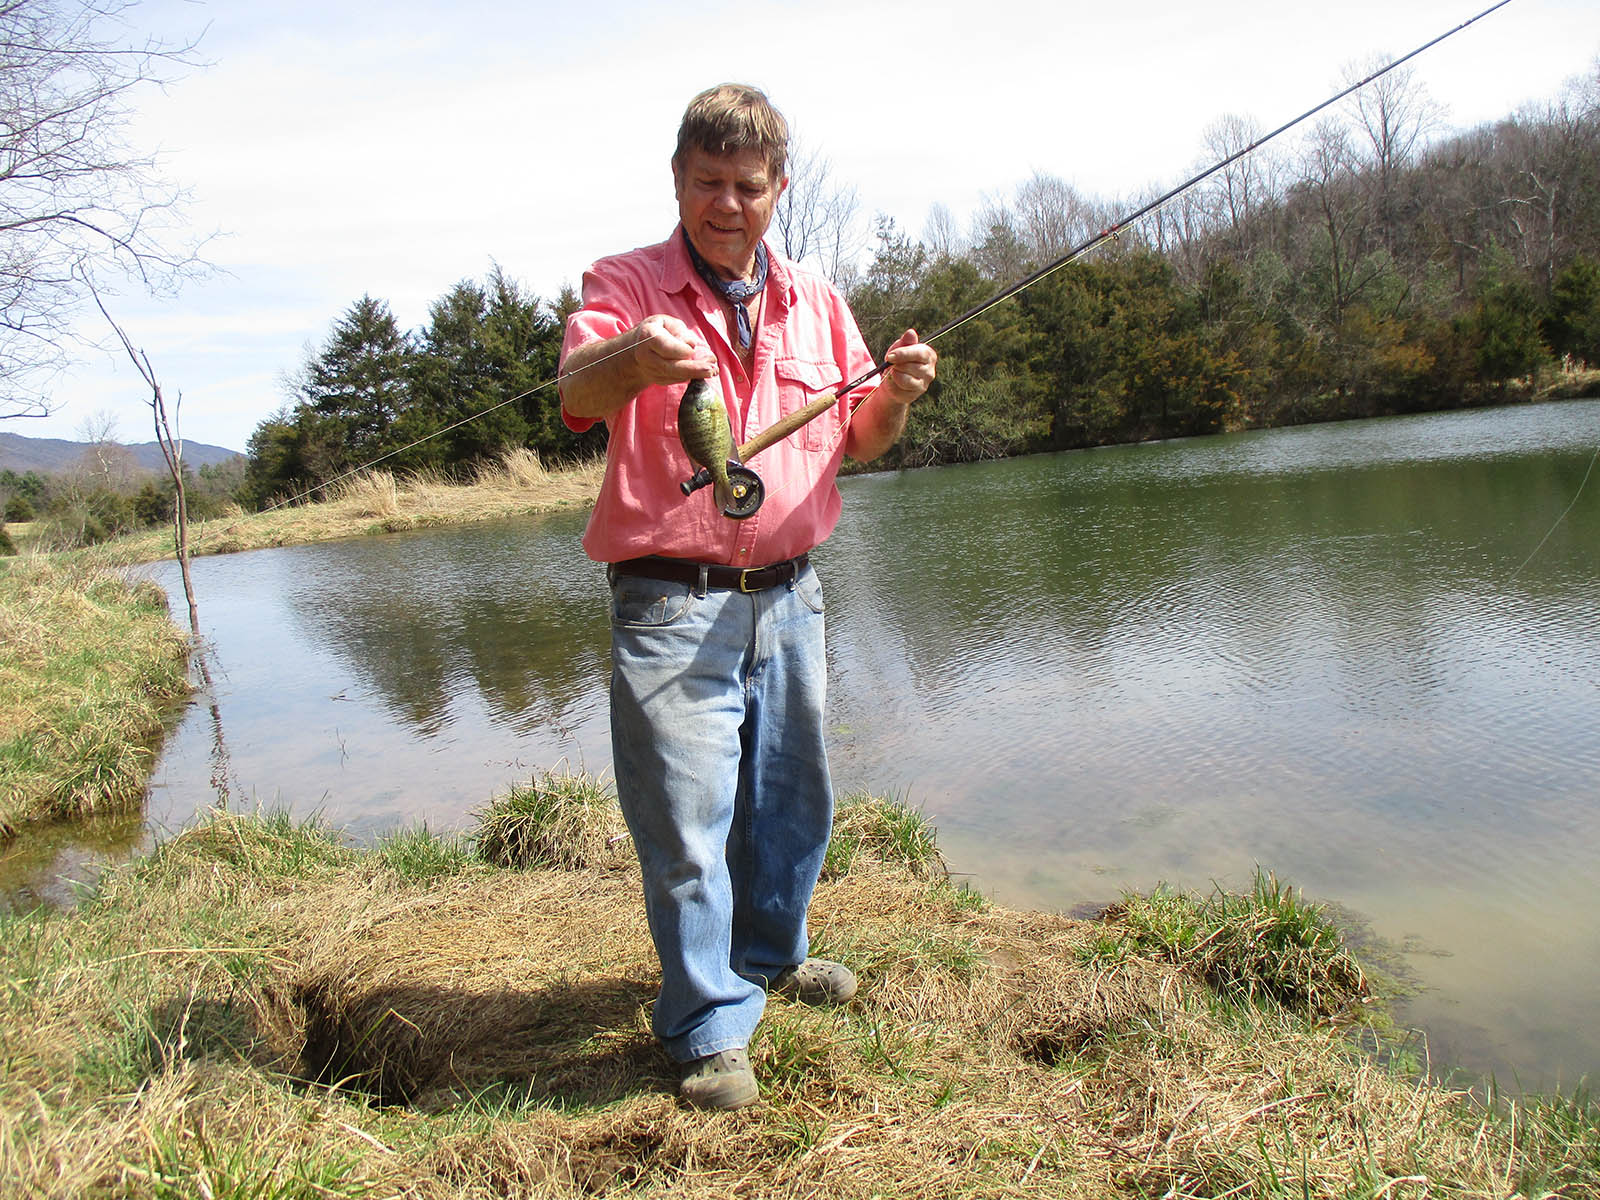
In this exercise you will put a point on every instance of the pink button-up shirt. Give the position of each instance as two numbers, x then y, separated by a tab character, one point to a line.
806	343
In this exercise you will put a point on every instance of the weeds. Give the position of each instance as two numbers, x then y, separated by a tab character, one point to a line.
150	1041
874	830
1270	944
554	820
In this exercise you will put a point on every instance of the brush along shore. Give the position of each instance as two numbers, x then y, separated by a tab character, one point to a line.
375	501
257	1009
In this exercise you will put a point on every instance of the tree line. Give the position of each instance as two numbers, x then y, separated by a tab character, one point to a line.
1370	270
1374	268
476	381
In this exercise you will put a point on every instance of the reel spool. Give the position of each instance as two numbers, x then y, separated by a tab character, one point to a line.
748	492
746	486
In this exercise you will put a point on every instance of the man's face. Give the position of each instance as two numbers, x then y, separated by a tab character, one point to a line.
726	204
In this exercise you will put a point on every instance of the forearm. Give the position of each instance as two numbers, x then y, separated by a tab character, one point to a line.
878	421
598	378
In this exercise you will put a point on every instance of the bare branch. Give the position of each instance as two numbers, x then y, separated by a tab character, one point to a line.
75	199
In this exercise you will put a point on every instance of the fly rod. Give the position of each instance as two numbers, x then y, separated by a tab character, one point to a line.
803	416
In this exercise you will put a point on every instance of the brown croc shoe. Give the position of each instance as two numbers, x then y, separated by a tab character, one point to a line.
721	1081
816	981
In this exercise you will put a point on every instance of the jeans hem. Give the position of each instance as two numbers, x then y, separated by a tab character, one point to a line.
710	1048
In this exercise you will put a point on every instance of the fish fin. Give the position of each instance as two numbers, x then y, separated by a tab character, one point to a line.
722	493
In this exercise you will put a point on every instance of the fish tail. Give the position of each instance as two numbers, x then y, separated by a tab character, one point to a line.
722	491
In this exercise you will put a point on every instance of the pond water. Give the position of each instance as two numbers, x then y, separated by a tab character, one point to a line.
1347	653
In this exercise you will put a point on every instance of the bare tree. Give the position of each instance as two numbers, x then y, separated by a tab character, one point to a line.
1052	216
940	235
77	203
999	245
105	459
1396	116
1244	187
817	219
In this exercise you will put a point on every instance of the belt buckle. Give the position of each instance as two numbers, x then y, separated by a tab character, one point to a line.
748	571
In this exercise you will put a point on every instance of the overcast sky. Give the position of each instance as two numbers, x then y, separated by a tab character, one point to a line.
344	147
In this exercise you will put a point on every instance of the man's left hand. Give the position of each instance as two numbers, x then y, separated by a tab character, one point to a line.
911	367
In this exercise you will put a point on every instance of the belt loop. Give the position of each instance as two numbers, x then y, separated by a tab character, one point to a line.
700	590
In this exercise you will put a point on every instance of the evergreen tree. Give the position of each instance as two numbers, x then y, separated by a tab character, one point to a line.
1573	324
361	380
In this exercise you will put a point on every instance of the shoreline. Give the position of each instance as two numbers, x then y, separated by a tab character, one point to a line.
257	1001
203	1016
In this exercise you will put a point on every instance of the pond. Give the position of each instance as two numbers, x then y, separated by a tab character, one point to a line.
1363	656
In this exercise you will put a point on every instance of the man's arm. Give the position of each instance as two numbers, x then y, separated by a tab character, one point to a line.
598	378
880	419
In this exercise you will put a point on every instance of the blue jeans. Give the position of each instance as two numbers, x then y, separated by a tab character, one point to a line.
716	736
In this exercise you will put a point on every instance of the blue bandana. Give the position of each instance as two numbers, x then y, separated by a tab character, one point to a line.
737	291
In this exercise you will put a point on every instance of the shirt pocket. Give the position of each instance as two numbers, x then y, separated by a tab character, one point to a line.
800	381
666	398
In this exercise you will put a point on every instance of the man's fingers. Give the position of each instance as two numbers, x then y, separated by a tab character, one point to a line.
670	352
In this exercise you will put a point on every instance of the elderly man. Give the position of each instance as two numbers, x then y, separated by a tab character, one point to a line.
718	670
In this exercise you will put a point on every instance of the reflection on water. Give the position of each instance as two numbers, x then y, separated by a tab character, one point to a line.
1311	649
395	680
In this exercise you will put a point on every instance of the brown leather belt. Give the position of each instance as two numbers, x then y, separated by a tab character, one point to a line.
682	570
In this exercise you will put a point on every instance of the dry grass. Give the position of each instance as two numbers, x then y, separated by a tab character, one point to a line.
375	502
90	667
258	1010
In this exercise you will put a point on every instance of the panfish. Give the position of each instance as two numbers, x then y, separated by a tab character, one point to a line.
706	436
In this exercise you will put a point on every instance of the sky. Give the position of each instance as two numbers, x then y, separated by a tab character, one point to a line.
394	148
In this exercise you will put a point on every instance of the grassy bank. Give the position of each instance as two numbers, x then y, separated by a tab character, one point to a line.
257	1010
89	670
375	502
90	667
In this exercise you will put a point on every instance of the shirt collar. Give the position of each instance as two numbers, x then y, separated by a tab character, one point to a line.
678	273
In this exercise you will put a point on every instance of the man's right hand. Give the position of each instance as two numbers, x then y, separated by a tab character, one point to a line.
668	351
598	378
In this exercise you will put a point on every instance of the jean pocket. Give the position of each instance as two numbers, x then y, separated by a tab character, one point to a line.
648	602
809	588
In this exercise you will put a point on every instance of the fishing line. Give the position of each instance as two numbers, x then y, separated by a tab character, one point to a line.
1109	233
428	437
1581	485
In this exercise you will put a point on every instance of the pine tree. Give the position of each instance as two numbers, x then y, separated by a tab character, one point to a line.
361	381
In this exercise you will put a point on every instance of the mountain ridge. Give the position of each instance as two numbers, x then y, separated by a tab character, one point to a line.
57	456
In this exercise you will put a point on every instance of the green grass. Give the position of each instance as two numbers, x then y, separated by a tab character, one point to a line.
272	844
418	855
1270	943
870	829
554	820
91	670
186	1163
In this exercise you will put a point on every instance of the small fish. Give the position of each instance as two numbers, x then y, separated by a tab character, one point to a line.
707	439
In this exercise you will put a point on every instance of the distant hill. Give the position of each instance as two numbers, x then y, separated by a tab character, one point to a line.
53	456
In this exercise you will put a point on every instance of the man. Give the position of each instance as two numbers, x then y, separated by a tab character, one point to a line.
718	670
